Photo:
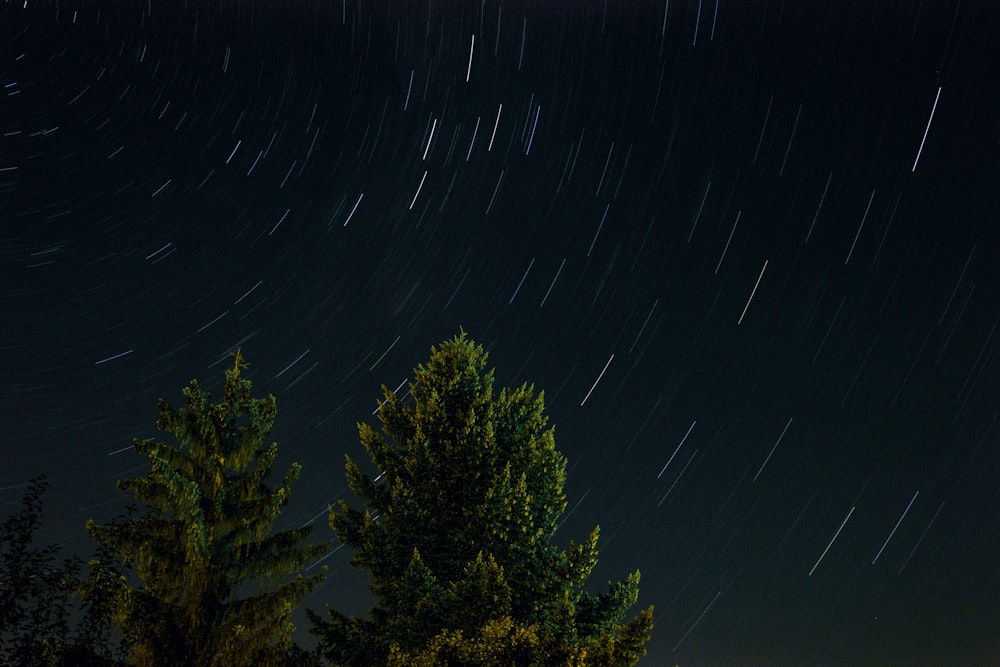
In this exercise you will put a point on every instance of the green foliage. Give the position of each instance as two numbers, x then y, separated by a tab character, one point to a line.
97	643
497	643
206	536
456	535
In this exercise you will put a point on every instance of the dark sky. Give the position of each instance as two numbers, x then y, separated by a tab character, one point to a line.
749	250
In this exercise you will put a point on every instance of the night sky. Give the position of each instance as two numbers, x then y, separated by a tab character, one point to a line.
748	250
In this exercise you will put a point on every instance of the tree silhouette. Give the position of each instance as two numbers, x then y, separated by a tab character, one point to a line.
205	538
36	598
456	535
34	614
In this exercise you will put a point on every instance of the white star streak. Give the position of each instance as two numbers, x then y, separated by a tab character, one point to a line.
926	130
351	214
754	291
831	542
772	450
901	517
691	428
472	48
596	381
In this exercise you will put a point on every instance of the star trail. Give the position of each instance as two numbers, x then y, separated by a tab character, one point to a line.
749	250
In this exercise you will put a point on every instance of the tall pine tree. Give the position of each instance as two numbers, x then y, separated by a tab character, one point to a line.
206	538
456	535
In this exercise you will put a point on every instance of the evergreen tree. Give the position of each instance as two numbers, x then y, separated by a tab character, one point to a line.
456	535
206	537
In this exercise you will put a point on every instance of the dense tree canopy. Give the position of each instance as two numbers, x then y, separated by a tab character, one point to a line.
456	535
205	537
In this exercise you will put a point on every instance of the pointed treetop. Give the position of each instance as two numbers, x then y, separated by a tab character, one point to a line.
238	361
236	388
456	535
207	538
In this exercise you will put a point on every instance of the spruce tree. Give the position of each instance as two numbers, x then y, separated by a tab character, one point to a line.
205	538
456	533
